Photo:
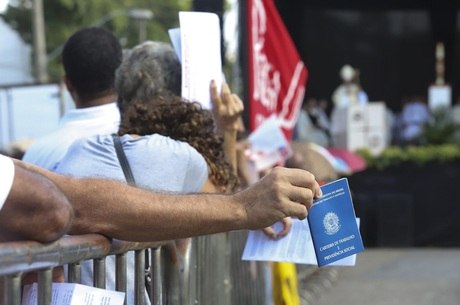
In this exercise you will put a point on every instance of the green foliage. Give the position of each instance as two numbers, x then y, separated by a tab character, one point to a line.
419	155
19	18
439	139
64	17
440	129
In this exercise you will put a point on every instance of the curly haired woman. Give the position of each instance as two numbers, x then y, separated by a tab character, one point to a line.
187	122
152	69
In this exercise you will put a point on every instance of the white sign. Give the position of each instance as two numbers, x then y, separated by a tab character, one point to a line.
201	55
360	126
439	97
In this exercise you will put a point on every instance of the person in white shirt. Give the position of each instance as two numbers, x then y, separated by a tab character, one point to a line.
6	179
90	58
349	92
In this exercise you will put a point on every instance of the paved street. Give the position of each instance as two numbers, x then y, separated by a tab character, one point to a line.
414	276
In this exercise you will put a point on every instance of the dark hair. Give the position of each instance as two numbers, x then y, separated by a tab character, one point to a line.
184	121
90	58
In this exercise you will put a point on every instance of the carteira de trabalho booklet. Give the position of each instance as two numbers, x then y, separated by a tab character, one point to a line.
332	222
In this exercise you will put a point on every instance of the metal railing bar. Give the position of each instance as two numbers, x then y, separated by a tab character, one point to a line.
156	289
121	246
74	273
139	277
26	256
99	272
12	289
44	286
121	273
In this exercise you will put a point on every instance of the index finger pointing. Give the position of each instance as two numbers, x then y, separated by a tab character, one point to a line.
215	98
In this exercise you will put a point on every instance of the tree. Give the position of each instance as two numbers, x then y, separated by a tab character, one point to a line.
64	17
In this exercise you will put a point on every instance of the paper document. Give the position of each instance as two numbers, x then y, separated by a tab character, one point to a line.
74	294
269	147
296	247
201	55
174	36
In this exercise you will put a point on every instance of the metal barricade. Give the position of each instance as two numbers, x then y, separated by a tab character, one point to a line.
17	258
194	271
202	270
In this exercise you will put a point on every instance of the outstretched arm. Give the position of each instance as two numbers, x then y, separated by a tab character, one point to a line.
120	211
35	209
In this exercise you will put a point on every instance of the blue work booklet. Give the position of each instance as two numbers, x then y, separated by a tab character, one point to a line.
332	222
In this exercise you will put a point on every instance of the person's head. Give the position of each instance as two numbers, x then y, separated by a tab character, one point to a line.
310	103
184	121
347	73
90	58
149	69
323	104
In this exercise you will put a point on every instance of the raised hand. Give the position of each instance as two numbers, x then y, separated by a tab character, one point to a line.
227	108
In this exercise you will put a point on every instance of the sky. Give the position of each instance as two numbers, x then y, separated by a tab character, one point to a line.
3	4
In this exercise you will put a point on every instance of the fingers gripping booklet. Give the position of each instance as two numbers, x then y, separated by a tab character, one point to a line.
329	235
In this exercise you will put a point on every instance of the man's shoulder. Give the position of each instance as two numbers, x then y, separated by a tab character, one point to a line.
45	151
92	143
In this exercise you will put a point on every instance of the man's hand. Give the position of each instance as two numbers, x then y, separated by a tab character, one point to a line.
284	192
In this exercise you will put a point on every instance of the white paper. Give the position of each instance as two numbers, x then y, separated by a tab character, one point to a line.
269	147
201	55
296	247
439	97
74	294
174	36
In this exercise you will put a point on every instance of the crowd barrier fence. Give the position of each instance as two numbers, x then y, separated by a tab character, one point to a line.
199	270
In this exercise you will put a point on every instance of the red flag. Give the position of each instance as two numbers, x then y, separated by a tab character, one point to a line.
277	75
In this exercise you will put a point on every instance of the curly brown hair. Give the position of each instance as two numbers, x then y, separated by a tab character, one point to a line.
185	121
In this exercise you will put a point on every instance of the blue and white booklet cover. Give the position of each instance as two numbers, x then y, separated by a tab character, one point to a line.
328	236
333	227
